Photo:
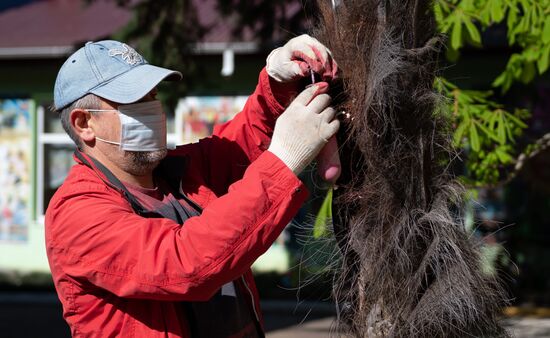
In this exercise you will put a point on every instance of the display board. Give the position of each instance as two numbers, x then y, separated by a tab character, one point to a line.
197	115
15	169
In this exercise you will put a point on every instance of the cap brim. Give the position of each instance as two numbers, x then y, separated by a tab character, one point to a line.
135	84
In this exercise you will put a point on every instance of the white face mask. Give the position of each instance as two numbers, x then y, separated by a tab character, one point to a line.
142	126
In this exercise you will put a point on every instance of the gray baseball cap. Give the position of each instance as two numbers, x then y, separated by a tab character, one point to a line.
109	69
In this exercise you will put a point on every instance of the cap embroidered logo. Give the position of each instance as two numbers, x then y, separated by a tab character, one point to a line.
128	54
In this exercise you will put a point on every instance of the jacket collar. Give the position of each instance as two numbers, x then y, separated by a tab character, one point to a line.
171	169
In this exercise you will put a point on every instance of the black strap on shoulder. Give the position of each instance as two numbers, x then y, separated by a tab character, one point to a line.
114	182
171	169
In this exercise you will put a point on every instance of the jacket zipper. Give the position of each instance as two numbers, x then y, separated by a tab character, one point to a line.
251	296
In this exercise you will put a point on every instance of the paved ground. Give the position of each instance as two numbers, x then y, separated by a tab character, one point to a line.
530	327
39	316
312	329
320	328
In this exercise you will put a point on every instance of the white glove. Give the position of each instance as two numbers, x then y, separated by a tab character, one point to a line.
304	128
298	57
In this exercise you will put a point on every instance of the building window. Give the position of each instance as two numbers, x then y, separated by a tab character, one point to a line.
54	156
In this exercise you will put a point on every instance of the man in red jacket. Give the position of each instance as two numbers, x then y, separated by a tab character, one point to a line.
145	242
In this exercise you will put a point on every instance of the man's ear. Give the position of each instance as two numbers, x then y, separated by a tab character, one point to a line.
80	122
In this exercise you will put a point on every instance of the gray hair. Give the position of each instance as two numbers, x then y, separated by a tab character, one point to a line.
90	101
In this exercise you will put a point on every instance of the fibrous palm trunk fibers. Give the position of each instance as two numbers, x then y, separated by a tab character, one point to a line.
409	268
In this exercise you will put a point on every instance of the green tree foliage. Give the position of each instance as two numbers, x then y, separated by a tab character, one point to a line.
483	126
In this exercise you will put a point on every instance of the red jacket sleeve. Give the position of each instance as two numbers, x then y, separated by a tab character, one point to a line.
93	236
252	128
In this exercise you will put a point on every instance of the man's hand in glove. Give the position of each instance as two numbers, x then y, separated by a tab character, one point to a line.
304	128
298	57
290	67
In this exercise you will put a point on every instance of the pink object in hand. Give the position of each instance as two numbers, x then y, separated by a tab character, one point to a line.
328	161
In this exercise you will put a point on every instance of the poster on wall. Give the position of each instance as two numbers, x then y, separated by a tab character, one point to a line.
15	169
196	116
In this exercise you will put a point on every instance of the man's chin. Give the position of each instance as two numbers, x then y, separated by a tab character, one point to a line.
144	161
